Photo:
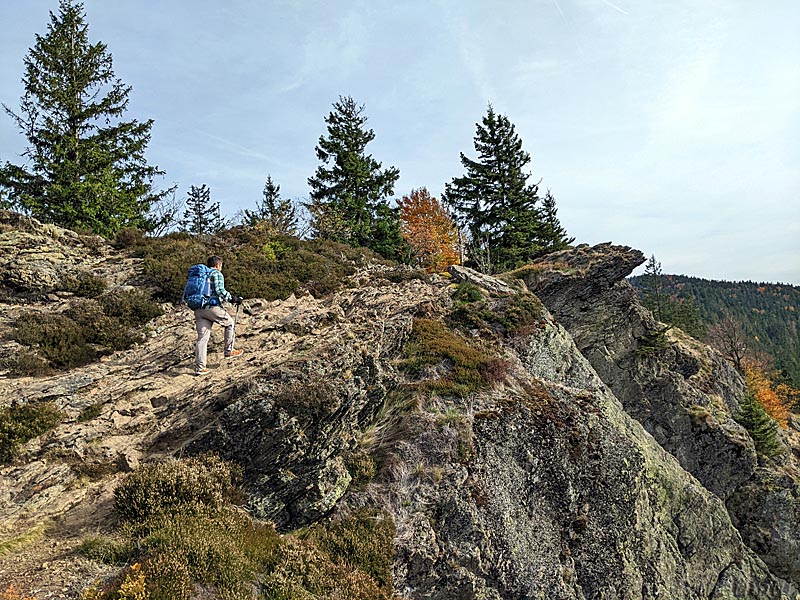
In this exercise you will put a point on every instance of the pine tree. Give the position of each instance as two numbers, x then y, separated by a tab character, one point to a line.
273	213
761	427
202	217
86	166
349	188
494	202
554	236
653	296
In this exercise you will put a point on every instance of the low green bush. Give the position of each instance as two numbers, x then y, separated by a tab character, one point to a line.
467	292
20	423
173	486
256	263
362	541
465	369
183	531
131	307
56	338
514	315
84	284
90	328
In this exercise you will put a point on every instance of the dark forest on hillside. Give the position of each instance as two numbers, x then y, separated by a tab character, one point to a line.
769	313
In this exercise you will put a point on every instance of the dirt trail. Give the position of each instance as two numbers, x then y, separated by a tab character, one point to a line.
149	404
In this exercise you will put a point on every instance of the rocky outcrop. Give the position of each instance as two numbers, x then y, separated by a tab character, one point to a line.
680	390
36	257
539	485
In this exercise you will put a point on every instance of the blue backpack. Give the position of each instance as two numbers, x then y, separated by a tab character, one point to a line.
197	292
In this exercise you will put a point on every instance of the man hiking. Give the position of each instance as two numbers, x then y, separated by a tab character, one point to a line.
210	311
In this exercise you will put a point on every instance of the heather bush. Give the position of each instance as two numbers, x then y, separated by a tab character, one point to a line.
84	284
20	423
56	338
90	328
179	523
514	315
132	307
462	369
186	486
257	263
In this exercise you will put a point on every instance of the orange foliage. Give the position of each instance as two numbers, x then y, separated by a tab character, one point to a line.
428	229
775	399
11	593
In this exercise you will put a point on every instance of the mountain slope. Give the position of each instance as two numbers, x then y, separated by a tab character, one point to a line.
769	313
506	465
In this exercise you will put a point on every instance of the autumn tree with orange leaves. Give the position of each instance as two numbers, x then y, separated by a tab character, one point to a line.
776	399
428	230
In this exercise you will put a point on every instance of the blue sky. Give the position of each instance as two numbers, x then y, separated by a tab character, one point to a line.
672	127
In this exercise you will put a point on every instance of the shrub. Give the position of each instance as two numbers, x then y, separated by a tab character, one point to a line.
88	329
105	333
175	486
132	307
257	264
56	338
129	237
20	423
512	316
468	369
363	541
111	550
27	363
84	284
467	292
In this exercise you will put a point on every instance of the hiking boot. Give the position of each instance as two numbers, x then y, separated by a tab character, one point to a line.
201	372
233	353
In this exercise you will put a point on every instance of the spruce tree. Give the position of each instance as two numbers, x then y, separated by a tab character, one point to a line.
86	167
554	236
653	296
275	214
349	188
494	202
202	217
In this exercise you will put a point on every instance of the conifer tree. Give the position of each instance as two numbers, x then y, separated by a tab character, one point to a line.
86	167
275	214
349	189
202	217
494	202
554	236
653	296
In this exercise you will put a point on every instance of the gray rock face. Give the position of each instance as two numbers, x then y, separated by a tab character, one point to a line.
681	391
564	497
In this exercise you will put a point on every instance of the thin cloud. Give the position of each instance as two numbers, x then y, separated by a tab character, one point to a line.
614	6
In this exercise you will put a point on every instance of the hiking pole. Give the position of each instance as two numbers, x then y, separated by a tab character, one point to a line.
235	320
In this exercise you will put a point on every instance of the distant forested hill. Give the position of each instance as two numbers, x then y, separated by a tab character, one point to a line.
768	312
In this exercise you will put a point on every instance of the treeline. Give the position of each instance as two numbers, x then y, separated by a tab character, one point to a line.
768	314
86	169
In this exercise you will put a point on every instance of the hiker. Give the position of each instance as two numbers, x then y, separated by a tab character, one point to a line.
210	311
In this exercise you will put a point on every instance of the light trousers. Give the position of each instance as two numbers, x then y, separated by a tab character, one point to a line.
204	319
